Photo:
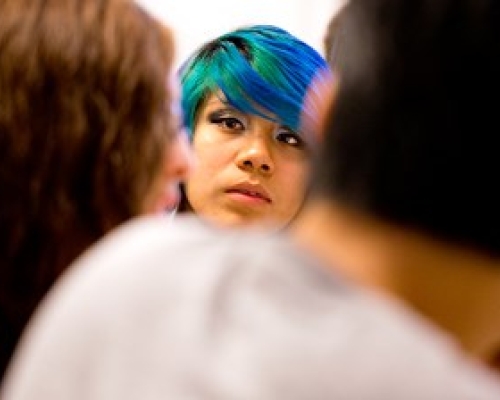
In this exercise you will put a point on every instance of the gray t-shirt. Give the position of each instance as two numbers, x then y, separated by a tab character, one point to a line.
173	310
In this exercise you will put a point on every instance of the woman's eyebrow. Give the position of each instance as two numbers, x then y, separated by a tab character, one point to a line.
222	108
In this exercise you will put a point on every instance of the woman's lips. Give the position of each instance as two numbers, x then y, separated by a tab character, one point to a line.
249	192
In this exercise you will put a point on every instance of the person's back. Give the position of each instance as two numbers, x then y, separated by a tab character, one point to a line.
141	316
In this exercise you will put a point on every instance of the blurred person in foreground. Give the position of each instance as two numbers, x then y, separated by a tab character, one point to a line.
88	138
387	285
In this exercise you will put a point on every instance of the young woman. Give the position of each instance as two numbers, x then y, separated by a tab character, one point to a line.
244	103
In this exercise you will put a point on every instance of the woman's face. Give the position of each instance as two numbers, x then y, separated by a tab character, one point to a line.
249	170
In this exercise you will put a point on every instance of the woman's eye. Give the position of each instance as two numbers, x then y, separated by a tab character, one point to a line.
228	123
290	138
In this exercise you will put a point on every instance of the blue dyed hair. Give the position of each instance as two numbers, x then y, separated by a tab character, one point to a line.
261	69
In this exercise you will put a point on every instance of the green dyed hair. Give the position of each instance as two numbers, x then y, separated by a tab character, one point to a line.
261	69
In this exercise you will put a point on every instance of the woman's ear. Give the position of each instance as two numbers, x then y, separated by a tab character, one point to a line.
318	105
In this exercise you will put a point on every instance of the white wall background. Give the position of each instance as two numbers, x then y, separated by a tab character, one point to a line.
196	21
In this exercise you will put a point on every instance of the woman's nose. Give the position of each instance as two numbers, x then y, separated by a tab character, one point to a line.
255	156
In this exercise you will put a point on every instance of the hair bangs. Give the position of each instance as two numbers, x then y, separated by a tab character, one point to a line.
196	83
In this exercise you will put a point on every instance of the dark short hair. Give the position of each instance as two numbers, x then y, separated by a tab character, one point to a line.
412	135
